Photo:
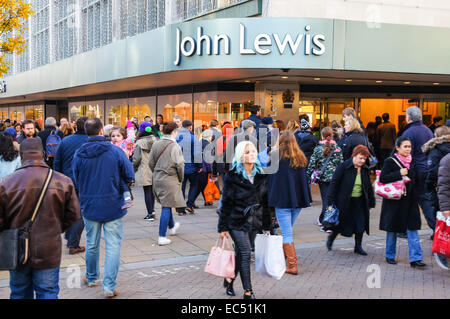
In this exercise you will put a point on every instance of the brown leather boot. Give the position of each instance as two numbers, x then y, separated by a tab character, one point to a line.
291	256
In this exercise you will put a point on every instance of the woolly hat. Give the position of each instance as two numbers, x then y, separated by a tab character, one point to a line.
11	131
304	124
145	127
267	120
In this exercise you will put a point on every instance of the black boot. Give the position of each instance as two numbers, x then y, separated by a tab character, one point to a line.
251	296
229	287
358	245
331	237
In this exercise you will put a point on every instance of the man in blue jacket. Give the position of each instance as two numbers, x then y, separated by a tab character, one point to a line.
99	168
63	164
419	134
192	153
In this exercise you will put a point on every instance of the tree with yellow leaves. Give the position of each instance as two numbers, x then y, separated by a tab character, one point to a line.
13	17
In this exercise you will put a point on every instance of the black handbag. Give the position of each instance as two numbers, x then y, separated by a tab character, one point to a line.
14	243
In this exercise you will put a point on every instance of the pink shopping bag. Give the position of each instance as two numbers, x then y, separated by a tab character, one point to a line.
221	261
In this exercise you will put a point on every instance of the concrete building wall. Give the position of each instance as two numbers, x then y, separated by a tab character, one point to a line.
435	13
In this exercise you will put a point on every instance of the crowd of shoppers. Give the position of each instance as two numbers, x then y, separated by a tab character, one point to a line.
96	167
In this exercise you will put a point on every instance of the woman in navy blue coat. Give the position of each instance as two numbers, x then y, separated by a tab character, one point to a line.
288	192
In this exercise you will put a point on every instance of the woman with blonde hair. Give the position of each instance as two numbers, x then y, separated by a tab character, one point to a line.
292	126
288	192
67	129
354	137
244	194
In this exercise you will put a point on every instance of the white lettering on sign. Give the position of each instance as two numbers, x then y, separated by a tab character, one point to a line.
262	44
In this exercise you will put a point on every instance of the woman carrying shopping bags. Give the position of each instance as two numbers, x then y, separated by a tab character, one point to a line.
352	193
288	192
401	216
244	209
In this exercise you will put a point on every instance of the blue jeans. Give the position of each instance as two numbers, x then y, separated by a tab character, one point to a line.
113	240
166	221
24	281
193	188
73	234
286	218
415	251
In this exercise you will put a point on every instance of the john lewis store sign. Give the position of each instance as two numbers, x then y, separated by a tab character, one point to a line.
291	41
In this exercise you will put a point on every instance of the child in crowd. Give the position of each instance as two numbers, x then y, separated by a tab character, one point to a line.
119	137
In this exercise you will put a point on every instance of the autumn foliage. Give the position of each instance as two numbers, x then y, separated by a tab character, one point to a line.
13	22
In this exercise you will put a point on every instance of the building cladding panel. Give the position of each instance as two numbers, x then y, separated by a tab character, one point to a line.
63	28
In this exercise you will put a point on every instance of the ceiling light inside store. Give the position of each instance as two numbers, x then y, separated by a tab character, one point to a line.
349	80
436	83
247	81
316	79
379	81
285	77
406	82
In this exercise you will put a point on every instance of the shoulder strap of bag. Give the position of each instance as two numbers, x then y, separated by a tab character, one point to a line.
396	162
324	165
163	150
41	197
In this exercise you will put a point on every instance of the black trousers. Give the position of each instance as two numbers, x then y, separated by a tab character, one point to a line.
149	199
242	249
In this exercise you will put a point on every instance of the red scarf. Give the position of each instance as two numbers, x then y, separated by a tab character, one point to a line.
405	160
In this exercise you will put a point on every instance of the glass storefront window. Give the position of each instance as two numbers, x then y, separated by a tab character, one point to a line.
35	113
171	105
141	107
76	110
432	109
206	108
117	111
371	108
95	109
234	106
17	113
3	113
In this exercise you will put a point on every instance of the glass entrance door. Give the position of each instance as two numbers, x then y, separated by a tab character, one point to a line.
323	112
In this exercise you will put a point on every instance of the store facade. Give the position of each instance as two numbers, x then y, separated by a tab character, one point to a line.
217	68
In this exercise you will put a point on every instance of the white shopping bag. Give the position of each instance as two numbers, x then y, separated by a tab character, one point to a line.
269	256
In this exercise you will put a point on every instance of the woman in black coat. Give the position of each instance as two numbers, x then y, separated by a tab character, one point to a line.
401	216
352	193
354	137
288	192
244	210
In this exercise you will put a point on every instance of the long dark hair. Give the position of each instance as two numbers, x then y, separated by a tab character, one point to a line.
7	151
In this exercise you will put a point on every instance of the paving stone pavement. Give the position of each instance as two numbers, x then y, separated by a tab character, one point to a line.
338	274
176	271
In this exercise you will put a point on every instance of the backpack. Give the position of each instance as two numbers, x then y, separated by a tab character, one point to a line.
52	143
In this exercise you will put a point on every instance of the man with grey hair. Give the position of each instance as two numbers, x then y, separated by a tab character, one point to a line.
50	128
419	134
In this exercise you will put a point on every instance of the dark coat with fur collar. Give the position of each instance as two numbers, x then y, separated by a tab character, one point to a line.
238	194
435	149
